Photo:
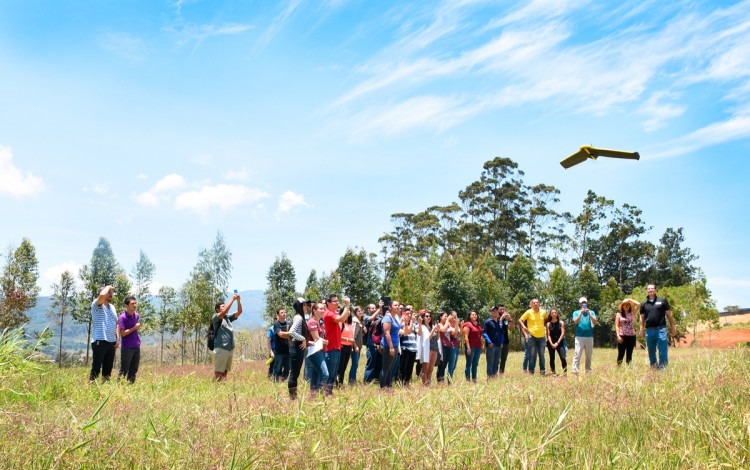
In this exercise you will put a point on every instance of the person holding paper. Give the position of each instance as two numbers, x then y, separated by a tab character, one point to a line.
315	357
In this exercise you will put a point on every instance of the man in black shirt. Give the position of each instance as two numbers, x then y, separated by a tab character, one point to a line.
654	314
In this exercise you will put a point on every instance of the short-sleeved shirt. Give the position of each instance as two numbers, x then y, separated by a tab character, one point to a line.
272	335
223	331
535	322
103	322
395	328
333	330
656	312
584	329
314	325
475	334
282	344
126	322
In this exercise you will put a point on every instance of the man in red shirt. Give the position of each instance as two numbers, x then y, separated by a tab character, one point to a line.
332	323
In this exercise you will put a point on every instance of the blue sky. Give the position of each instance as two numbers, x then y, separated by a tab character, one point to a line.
301	126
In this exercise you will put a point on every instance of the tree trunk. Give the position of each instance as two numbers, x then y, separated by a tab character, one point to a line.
161	353
59	354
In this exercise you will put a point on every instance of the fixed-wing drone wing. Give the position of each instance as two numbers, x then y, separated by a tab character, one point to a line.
593	153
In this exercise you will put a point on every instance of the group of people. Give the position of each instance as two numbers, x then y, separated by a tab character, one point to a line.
399	342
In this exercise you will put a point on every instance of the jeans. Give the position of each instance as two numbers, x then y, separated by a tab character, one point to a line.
449	361
389	368
333	358
374	364
355	366
472	363
562	351
296	357
656	338
504	357
583	344
130	359
625	349
526	353
346	353
281	365
492	354
102	359
536	349
317	371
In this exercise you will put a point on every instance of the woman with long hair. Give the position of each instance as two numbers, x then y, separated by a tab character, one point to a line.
408	339
472	332
625	330
556	340
347	347
428	345
453	333
318	370
298	349
389	344
443	345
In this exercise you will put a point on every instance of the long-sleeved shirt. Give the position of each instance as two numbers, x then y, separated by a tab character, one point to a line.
297	332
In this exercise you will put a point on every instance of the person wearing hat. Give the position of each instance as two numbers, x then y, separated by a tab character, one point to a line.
585	321
625	330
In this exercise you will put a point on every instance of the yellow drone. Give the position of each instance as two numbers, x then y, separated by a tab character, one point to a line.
593	153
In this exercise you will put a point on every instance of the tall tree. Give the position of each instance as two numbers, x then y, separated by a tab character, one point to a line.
18	285
621	253
63	303
674	262
143	275
312	287
543	225
454	288
587	225
282	283
358	272
166	321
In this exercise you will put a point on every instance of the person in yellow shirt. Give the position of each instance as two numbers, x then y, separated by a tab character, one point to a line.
535	334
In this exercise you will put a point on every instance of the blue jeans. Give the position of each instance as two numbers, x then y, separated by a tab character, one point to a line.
526	353
355	365
374	363
452	360
281	366
537	346
472	363
492	354
657	338
332	363
317	371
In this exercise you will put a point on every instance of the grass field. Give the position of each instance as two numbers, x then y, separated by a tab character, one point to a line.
694	415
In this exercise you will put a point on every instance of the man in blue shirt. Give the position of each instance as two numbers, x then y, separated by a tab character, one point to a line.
493	340
585	320
271	343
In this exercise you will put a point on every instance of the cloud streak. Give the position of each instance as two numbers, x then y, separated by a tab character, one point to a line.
15	182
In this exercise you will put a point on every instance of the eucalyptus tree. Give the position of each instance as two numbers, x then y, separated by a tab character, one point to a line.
282	282
18	284
63	304
143	275
165	319
358	273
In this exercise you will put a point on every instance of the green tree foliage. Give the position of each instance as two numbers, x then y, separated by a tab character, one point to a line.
692	305
560	292
358	272
544	226
587	225
312	287
454	288
520	282
143	275
282	283
674	262
587	285
18	285
609	298
63	303
416	285
165	318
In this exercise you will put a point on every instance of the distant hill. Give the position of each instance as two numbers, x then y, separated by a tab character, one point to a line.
74	334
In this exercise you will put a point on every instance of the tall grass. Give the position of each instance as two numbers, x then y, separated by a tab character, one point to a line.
694	415
17	353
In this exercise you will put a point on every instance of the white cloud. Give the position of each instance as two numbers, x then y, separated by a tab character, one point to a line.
278	23
221	196
659	112
52	275
237	175
15	182
288	201
161	190
100	189
192	33
734	128
128	47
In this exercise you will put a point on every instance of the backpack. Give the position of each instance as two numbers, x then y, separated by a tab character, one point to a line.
211	336
376	331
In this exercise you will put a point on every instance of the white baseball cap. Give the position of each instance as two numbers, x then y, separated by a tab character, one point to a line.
582	300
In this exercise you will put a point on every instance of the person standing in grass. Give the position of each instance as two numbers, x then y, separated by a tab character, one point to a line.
271	343
408	341
472	332
625	330
389	344
359	340
347	347
443	344
224	337
299	336
585	321
493	340
506	323
332	323
556	340
318	371
452	333
105	336
373	335
654	314
130	354
281	351
535	334
427	345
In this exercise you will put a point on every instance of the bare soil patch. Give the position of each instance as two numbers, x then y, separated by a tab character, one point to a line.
722	339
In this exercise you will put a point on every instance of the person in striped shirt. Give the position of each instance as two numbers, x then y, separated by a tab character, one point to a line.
105	336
